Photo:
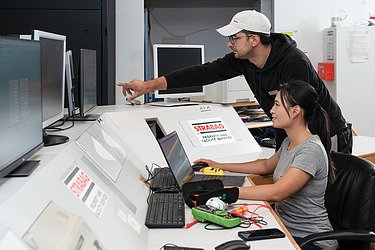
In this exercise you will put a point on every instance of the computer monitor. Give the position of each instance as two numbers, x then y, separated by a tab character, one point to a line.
87	85
171	57
69	76
53	48
20	103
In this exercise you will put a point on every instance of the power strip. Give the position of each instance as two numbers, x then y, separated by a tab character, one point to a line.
204	213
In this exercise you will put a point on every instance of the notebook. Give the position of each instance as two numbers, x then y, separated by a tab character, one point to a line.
180	166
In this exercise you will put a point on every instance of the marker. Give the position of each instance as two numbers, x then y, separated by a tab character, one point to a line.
191	224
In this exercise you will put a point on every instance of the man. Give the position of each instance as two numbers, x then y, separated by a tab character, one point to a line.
266	60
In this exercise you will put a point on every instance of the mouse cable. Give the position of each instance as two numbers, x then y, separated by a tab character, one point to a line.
149	171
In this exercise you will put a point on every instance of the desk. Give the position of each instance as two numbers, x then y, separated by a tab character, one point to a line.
122	221
364	146
198	236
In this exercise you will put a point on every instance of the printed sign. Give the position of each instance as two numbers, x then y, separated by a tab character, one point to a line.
81	185
211	131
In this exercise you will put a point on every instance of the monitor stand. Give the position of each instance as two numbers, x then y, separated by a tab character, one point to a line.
24	170
51	140
173	102
86	117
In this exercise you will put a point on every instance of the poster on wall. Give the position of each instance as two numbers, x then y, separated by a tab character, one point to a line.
211	131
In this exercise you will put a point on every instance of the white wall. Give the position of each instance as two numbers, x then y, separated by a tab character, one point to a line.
310	18
129	43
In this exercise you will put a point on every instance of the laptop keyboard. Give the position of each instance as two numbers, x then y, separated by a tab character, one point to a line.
165	210
163	179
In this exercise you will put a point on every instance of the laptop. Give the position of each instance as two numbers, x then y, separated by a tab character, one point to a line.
180	166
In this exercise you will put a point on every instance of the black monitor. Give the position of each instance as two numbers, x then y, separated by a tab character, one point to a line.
53	81
20	103
171	57
87	85
69	79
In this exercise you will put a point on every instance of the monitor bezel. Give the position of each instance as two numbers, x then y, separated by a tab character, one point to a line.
156	73
36	35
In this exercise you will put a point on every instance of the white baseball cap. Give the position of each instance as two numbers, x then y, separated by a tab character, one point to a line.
250	20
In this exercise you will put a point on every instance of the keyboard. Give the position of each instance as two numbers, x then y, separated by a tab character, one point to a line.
163	179
165	210
180	248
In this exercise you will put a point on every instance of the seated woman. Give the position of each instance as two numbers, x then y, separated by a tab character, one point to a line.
300	167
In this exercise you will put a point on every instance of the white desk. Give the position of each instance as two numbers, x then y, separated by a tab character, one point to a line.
121	225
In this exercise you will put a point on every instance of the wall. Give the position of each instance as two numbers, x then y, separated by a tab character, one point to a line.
191	26
129	43
310	18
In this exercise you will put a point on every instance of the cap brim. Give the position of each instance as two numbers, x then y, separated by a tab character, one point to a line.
228	30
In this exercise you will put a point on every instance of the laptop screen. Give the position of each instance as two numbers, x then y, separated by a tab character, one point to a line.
176	158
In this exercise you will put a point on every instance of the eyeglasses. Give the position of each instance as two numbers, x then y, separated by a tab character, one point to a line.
233	38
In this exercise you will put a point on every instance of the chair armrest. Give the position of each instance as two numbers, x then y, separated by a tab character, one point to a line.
357	235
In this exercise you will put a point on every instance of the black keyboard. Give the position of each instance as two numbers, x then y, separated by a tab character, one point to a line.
163	179
180	248
165	210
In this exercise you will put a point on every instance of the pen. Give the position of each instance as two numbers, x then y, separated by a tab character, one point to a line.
190	224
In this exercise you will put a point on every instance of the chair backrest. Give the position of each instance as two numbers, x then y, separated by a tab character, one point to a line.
350	199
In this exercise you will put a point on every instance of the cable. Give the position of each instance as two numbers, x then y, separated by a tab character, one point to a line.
53	127
150	175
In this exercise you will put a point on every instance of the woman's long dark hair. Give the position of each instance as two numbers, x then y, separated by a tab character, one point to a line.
303	94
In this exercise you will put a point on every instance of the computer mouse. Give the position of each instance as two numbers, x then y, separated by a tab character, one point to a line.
213	171
133	102
233	245
199	166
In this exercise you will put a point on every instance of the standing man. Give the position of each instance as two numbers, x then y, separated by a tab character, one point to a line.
266	60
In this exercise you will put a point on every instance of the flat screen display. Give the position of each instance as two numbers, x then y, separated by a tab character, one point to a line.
20	102
53	75
172	57
87	80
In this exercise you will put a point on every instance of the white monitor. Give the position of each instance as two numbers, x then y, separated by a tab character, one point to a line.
53	47
171	57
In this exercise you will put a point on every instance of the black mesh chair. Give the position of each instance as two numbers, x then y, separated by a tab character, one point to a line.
350	203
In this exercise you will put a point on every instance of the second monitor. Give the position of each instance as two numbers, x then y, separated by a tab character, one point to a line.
53	48
87	85
171	57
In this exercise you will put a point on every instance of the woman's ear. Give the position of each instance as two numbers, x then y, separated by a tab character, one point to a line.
296	110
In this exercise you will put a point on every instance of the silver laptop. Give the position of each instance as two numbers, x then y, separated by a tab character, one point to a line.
180	166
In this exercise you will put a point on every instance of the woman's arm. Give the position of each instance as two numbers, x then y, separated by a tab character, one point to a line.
260	166
290	183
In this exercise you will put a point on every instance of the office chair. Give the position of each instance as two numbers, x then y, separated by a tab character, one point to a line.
350	203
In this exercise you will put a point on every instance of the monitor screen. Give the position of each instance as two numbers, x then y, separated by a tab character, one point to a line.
20	102
53	75
176	158
87	79
171	57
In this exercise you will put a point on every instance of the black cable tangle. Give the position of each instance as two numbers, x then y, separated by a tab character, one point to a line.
151	176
